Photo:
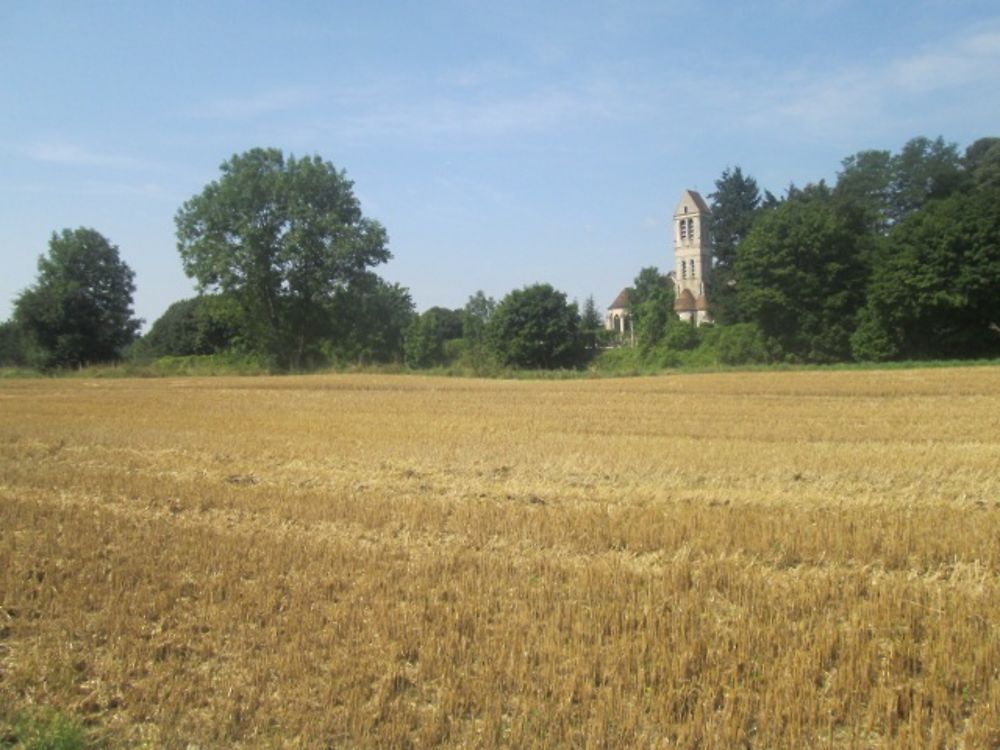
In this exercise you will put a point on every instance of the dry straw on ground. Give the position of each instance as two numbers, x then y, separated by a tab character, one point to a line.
741	560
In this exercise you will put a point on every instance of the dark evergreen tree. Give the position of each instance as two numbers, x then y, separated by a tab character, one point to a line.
734	207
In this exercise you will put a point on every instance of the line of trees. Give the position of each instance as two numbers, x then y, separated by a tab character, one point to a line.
899	259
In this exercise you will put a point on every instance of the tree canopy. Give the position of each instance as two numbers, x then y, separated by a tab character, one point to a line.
735	205
80	309
935	287
536	327
201	325
280	236
802	272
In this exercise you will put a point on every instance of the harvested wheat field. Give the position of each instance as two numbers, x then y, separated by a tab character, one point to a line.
766	560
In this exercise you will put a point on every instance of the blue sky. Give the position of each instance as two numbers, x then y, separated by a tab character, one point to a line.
500	143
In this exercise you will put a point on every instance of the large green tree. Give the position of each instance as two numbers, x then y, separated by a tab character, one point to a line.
475	319
735	205
648	287
475	316
281	236
887	187
865	182
80	309
802	273
923	170
935	282
982	164
651	305
536	327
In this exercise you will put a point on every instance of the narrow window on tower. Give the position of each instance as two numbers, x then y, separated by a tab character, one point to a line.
683	229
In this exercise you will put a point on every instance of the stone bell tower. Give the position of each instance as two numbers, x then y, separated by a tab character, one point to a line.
692	257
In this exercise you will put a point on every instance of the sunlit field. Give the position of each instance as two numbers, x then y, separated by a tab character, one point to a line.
766	560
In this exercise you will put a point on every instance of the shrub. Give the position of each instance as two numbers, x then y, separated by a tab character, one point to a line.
745	343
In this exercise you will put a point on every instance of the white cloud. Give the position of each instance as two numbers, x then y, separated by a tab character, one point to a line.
532	111
825	102
261	103
71	154
964	61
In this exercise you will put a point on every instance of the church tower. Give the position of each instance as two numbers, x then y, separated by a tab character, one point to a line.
692	257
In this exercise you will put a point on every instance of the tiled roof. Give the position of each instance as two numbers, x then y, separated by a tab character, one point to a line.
621	300
698	200
685	302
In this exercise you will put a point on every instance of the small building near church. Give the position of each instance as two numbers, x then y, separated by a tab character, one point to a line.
617	318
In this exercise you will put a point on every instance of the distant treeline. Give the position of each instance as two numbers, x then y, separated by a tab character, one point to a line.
899	259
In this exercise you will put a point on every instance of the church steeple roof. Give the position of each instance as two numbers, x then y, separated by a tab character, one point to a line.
691	199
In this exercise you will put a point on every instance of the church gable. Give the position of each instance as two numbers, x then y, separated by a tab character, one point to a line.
691	202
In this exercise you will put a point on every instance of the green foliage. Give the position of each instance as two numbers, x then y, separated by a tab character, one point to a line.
873	340
933	291
424	341
650	308
680	335
280	236
888	188
80	309
734	208
45	730
620	360
476	316
744	344
535	327
201	325
865	182
735	205
647	287
982	164
15	346
449	322
591	324
802	272
922	171
368	321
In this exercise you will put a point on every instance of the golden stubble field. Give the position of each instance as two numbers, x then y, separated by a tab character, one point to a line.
766	560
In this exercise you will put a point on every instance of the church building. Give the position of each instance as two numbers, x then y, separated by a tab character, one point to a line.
692	258
692	264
